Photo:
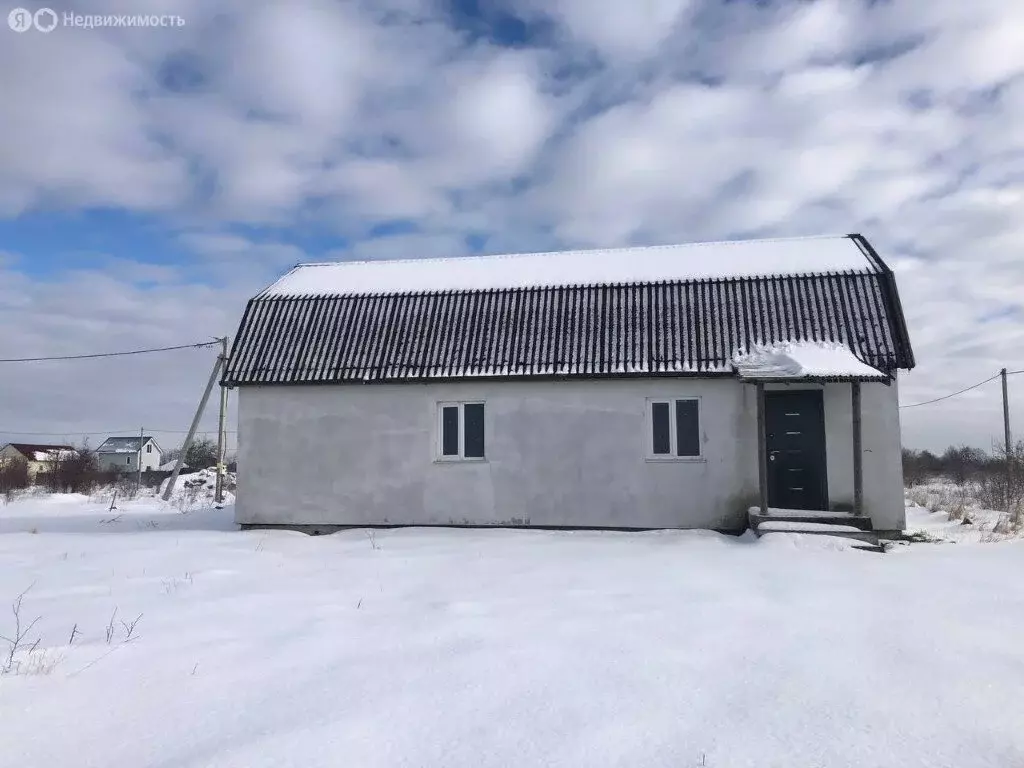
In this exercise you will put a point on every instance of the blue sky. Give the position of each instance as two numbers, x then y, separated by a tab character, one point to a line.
152	179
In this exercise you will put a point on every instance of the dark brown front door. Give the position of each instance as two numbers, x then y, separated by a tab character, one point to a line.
795	440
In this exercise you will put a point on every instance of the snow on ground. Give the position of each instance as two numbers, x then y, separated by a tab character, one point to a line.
783	525
483	648
942	511
198	489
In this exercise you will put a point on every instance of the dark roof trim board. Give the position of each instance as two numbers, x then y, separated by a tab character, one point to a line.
622	330
897	320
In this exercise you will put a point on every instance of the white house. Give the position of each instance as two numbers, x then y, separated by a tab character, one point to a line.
662	387
38	457
122	454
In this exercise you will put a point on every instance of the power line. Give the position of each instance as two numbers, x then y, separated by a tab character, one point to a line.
197	345
109	432
954	394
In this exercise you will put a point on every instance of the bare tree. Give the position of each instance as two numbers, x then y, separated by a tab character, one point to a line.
202	454
914	472
14	476
73	471
962	464
18	639
1001	487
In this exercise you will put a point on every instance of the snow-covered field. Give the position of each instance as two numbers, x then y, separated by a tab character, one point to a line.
499	648
941	511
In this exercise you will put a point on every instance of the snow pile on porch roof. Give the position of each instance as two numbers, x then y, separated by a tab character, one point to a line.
663	263
804	360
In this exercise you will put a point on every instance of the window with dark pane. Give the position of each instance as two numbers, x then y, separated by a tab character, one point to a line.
662	432
687	428
473	416
450	430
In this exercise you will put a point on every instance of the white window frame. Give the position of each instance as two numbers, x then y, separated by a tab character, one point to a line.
439	441
673	443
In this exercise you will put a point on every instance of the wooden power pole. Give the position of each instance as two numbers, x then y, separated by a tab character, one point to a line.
192	429
221	426
1007	443
138	469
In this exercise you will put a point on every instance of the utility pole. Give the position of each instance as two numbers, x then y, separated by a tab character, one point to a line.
1008	447
221	425
192	429
138	469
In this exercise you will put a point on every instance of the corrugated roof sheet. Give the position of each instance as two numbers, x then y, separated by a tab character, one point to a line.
669	327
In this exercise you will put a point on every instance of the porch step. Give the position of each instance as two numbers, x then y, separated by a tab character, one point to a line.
869	541
861	522
868	537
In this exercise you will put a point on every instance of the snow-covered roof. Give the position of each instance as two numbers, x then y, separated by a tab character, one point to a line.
43	452
123	444
364	329
663	263
804	360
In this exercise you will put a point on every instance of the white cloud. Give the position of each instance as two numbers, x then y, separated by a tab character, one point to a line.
497	116
73	134
404	247
617	30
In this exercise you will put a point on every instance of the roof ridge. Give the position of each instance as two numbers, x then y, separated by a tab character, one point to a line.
617	249
267	295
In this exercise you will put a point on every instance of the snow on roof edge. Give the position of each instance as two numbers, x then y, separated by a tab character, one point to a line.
279	288
617	249
803	360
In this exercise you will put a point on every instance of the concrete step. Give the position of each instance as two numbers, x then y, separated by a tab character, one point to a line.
867	537
861	522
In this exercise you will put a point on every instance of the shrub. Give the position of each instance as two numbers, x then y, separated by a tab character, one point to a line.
13	476
963	463
73	472
202	454
1001	486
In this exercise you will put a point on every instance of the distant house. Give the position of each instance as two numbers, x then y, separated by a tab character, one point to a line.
662	387
39	457
122	454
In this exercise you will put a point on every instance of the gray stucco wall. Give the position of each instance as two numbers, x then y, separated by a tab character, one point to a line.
568	453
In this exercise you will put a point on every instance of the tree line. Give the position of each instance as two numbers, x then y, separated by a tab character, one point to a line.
958	463
995	480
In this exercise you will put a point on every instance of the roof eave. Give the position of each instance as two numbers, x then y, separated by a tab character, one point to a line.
837	379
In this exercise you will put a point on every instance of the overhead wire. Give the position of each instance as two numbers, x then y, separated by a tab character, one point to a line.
197	345
954	394
128	431
97	355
